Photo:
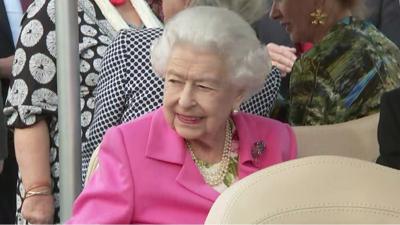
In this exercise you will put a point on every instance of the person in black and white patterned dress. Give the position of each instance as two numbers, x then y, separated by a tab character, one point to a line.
32	101
128	87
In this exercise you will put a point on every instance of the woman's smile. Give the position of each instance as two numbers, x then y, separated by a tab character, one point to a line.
191	120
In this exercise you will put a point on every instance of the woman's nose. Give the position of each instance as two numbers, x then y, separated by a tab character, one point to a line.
186	99
274	13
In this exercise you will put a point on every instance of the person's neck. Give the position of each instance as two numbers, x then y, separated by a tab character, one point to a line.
324	29
209	149
129	14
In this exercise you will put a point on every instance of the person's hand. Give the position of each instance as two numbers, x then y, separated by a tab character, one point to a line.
1	165
38	209
282	57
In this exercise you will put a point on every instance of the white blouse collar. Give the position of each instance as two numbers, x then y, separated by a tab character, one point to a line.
118	23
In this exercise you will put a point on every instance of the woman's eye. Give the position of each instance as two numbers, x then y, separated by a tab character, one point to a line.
204	87
173	81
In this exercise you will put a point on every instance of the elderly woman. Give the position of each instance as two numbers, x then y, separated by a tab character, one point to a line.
170	165
349	67
128	87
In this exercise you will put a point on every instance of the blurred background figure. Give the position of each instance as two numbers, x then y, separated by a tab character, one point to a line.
389	130
351	64
11	12
389	121
384	14
31	106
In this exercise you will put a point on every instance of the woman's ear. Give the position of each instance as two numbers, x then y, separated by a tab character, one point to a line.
238	99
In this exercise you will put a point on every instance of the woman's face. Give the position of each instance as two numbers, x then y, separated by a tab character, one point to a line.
172	7
199	96
294	16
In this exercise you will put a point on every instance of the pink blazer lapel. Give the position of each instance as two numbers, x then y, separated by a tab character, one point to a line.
166	145
191	179
247	165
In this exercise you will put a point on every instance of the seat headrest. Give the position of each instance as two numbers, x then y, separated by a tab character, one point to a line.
318	189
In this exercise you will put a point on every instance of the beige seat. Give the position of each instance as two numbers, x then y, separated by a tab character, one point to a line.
356	139
313	190
93	164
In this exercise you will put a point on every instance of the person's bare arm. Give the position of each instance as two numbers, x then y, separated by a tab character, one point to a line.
128	12
6	67
32	148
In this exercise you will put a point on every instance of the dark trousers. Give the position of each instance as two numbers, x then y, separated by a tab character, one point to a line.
8	185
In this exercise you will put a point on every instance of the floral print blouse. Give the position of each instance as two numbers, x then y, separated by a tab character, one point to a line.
343	77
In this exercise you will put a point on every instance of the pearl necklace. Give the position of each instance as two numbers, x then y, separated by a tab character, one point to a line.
216	177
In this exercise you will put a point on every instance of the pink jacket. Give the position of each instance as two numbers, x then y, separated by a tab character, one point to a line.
146	175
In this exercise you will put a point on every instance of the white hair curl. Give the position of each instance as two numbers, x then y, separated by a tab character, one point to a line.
223	32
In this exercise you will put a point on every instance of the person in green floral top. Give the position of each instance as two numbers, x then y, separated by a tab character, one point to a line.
351	64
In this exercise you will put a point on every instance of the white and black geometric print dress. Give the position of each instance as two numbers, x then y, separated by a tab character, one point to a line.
128	87
33	93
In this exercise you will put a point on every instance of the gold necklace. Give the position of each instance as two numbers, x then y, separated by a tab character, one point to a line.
216	177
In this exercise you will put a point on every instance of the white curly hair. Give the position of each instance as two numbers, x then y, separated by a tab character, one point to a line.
223	32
